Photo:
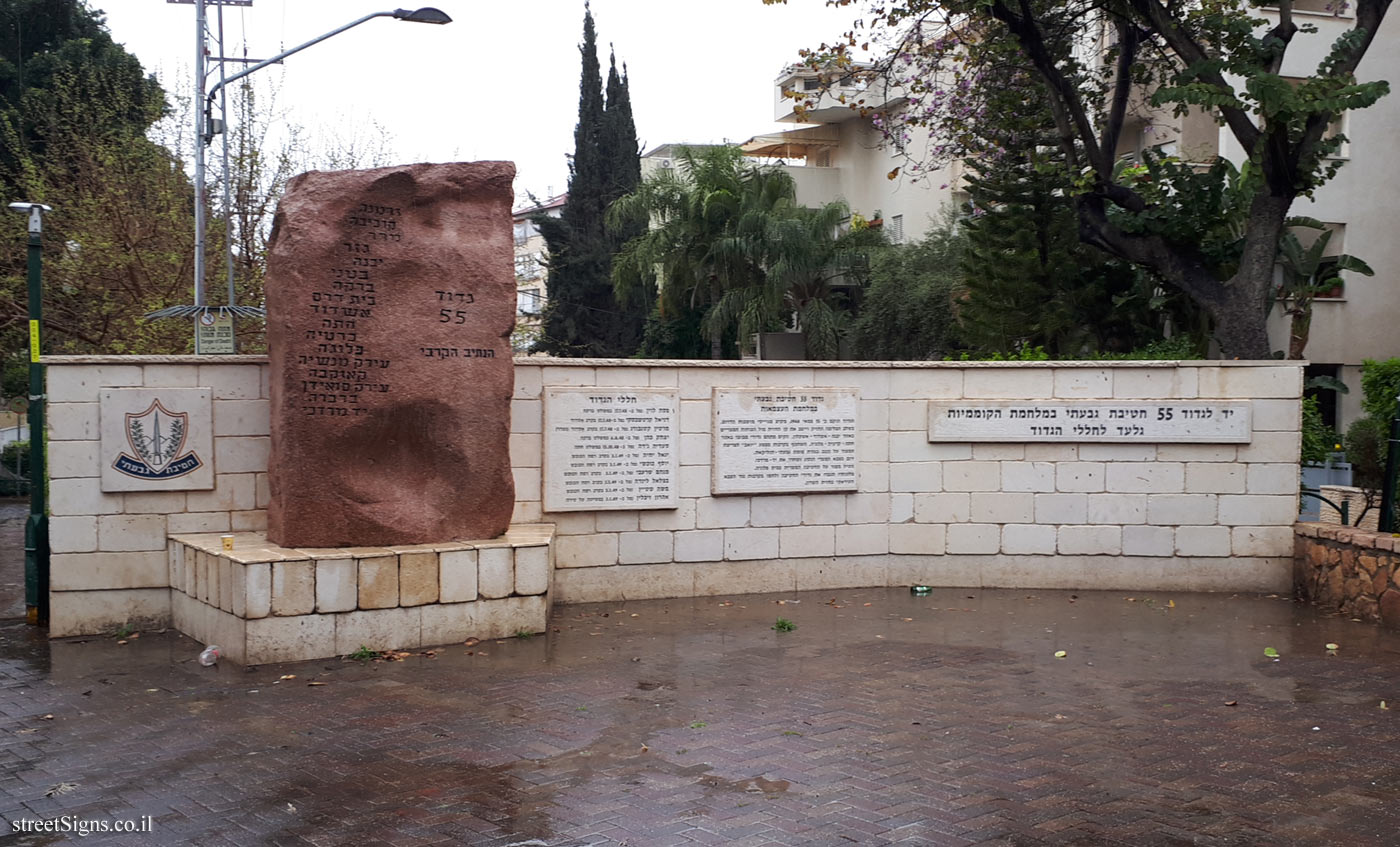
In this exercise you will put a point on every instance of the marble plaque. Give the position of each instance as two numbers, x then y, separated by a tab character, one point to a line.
390	302
784	440
610	448
157	439
1072	421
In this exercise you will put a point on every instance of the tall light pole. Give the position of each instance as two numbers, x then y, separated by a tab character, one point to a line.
206	128
36	529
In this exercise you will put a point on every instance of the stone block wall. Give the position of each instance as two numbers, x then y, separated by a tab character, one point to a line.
262	603
109	561
1353	571
1133	516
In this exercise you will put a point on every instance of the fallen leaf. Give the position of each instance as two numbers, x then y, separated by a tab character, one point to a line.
1232	702
1171	604
636	614
123	641
471	642
906	619
309	684
1271	652
291	809
286	676
31	729
866	604
46	718
61	788
1060	654
1384	707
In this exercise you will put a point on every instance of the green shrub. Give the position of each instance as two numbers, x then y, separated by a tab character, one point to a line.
1319	439
12	453
1366	443
1380	385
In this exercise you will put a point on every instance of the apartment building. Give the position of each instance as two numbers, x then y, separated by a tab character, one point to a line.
530	270
838	153
844	155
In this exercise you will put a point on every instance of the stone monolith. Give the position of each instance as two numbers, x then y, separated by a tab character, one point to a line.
390	302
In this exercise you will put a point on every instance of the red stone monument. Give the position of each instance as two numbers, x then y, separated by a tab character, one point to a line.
390	302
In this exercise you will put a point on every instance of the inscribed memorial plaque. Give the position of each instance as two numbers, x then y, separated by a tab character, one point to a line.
1124	421
610	448
390	300
784	440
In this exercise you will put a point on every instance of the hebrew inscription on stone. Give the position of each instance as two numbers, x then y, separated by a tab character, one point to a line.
781	440
390	299
1128	421
610	448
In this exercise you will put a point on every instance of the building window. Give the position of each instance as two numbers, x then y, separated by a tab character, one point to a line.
529	265
527	301
811	84
896	230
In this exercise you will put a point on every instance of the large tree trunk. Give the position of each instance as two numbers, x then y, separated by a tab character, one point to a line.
1240	328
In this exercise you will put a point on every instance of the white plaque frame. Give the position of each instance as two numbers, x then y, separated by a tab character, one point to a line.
150	416
563	403
1077	421
727	463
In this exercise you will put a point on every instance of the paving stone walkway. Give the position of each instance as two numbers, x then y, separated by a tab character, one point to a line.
882	718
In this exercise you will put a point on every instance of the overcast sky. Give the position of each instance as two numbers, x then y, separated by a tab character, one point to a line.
501	81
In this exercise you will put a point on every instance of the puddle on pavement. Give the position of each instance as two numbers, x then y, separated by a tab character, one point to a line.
657	662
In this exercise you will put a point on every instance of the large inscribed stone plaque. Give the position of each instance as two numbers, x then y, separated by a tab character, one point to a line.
390	300
610	448
1130	421
156	439
784	440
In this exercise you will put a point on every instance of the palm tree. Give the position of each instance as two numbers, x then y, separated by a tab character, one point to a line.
728	236
1308	272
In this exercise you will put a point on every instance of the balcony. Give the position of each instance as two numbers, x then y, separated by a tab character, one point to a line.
834	94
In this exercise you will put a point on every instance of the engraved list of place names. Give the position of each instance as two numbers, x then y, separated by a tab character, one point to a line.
610	448
784	440
1124	421
342	367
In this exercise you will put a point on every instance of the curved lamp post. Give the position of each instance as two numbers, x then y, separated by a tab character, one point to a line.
210	128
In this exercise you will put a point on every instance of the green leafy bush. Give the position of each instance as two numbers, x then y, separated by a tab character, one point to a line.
1380	385
1319	439
13	453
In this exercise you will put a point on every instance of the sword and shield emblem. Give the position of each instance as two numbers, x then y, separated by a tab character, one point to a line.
157	438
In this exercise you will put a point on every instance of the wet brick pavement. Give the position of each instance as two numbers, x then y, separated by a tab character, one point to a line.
883	718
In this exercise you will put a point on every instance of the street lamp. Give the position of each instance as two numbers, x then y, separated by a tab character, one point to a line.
209	128
36	529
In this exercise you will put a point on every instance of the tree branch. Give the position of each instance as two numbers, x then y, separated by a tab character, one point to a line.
1190	52
1122	86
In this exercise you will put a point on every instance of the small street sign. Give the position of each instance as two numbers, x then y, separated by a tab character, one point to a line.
213	333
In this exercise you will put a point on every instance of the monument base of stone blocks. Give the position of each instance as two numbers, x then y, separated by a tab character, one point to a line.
261	603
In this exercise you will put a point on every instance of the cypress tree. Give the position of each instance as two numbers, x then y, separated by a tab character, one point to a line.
583	318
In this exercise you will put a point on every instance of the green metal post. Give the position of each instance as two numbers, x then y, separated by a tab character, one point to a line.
1392	467
36	530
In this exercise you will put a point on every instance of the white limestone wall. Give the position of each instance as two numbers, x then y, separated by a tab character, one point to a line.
109	563
1141	517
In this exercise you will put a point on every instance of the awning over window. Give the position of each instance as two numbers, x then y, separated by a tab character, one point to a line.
792	144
